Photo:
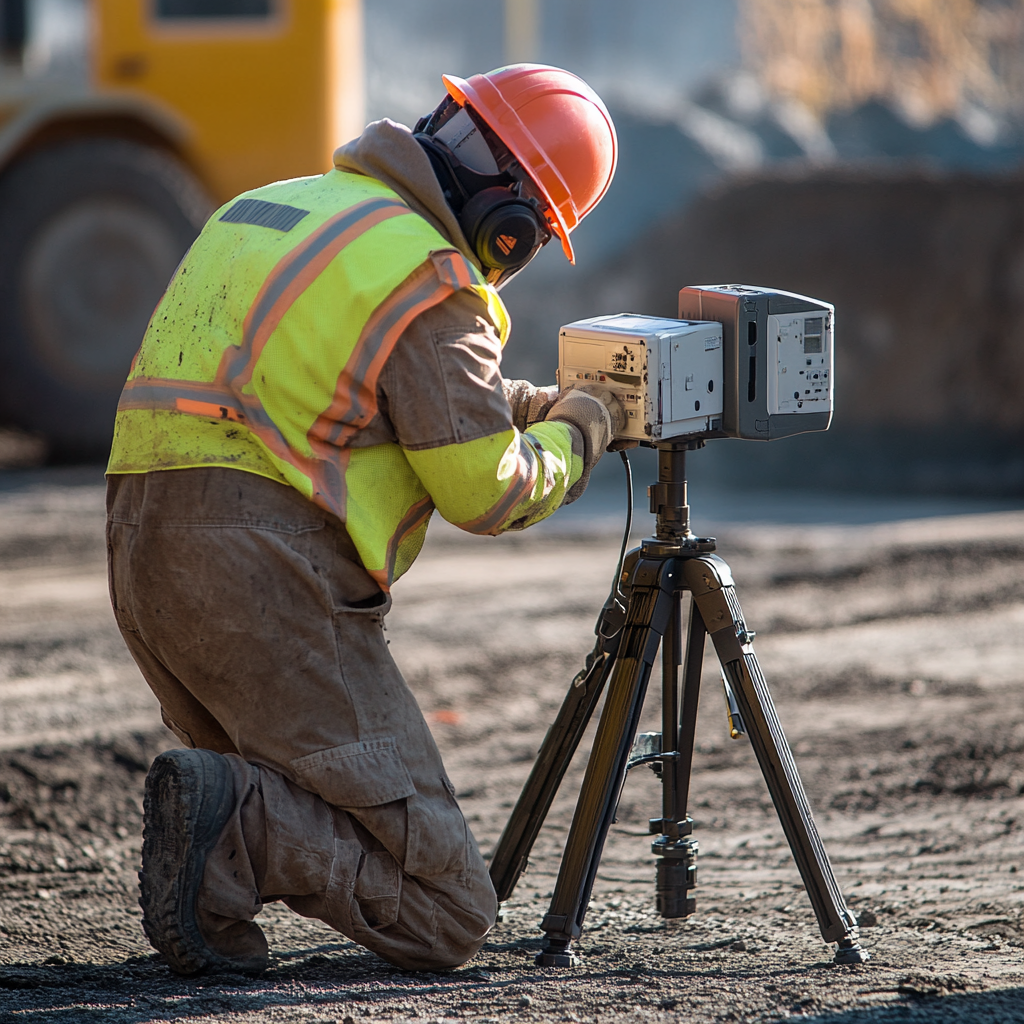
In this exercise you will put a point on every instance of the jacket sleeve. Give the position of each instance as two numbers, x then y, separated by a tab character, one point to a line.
443	396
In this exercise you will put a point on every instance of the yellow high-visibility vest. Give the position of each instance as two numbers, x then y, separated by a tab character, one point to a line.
265	353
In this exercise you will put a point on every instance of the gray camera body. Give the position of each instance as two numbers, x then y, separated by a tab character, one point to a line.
778	356
666	374
740	361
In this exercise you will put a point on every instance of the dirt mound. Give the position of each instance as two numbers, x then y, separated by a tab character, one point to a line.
73	807
976	769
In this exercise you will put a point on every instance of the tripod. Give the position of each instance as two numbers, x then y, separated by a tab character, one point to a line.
643	612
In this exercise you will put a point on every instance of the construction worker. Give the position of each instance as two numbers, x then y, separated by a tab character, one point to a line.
321	374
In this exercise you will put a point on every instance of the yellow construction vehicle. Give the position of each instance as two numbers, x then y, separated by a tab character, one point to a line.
105	178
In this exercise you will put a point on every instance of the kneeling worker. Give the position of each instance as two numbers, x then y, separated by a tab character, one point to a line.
321	374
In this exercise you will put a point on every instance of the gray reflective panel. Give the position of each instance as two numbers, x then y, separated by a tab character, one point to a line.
262	214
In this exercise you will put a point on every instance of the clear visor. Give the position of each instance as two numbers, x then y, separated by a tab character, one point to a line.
467	143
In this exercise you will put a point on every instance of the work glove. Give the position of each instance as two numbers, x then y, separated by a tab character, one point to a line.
593	410
596	413
609	401
618	414
529	403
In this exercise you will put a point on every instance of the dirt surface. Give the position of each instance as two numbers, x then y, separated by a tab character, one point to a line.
893	654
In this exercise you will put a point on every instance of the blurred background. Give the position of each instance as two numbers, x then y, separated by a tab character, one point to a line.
867	152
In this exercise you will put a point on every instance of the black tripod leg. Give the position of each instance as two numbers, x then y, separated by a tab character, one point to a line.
710	581
679	715
677	854
651	600
560	743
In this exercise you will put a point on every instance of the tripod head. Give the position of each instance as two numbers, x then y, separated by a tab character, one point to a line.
670	504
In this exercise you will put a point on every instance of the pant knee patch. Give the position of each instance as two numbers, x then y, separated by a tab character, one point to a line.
368	779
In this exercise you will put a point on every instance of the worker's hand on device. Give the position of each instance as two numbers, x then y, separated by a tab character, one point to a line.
616	412
595	412
612	405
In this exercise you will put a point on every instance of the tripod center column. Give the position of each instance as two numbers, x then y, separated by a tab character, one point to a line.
669	502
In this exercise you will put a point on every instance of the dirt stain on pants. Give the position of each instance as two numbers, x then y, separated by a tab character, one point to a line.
254	623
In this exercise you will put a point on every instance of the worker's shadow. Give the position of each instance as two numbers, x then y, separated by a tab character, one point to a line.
141	988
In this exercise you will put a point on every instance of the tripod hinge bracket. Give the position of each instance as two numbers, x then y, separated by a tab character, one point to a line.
652	759
610	623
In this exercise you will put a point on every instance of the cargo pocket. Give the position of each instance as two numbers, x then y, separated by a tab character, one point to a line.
363	774
438	845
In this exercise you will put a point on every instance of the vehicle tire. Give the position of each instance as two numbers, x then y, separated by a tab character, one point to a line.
90	233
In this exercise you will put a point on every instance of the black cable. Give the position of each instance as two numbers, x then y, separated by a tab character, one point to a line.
617	585
613	615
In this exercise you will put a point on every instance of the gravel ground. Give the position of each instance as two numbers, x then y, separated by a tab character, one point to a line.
893	653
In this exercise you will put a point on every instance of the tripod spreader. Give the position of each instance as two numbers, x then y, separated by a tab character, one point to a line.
668	566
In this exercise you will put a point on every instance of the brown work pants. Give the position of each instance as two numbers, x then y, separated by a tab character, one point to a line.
253	621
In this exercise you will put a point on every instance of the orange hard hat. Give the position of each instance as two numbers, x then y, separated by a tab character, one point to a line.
558	130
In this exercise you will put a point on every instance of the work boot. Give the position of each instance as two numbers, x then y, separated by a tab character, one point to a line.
189	798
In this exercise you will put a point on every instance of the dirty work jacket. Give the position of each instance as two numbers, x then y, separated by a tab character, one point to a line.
266	352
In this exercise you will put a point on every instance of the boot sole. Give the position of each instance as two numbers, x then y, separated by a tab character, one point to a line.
188	799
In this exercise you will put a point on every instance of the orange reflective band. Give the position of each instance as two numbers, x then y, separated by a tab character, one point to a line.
452	268
326	471
417	515
210	409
